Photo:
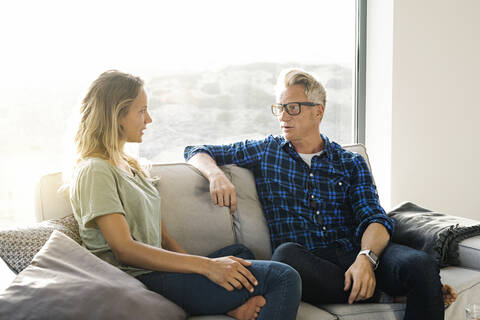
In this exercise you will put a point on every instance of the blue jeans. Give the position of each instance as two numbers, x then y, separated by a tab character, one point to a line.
196	294
402	271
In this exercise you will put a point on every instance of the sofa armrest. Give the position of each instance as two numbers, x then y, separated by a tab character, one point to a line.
469	253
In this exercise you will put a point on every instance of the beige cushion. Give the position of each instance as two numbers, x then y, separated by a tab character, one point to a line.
188	213
250	225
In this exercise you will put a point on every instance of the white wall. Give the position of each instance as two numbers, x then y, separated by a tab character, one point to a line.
428	98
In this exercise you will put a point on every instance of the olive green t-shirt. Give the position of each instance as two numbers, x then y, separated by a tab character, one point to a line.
98	189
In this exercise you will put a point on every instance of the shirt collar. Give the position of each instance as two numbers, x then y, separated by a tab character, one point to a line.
327	147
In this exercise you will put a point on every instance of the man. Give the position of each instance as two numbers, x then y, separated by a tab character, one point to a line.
322	208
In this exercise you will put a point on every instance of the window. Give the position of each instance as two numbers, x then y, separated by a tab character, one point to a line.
210	68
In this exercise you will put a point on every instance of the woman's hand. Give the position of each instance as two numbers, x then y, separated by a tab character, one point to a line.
231	273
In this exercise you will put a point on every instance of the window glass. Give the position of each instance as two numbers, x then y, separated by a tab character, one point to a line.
210	68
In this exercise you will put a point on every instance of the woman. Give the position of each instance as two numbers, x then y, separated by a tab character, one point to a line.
119	216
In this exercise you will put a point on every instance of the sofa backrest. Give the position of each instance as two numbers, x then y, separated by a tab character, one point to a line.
188	213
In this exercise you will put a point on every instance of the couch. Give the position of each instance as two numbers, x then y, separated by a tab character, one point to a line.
201	227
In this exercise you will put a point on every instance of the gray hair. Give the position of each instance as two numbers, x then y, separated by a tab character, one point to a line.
313	88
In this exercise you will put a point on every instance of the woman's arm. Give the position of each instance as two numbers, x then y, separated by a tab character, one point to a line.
228	272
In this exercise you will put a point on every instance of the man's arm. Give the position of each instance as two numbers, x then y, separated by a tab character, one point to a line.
374	228
207	158
361	273
222	191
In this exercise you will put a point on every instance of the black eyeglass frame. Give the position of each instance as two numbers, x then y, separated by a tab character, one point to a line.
285	107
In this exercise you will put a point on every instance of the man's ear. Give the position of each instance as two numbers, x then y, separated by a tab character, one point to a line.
320	110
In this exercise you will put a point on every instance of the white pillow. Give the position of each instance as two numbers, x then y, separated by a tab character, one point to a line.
66	281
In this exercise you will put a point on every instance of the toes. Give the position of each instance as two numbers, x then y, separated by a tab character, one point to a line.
261	301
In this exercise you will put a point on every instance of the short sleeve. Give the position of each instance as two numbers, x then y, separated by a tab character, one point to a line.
95	193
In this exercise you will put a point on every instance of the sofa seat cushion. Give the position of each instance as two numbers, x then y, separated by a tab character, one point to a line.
466	283
66	281
187	211
306	311
367	311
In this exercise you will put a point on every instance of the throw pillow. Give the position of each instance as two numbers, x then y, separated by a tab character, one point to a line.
66	281
18	246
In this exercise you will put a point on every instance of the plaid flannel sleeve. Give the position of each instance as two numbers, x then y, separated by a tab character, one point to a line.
244	154
364	199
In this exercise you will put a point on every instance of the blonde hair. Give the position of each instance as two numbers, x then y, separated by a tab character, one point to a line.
99	133
313	88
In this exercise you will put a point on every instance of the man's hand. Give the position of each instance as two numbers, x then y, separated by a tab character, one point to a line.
223	192
231	273
361	275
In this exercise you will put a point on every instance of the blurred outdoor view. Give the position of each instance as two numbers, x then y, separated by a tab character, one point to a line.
233	104
210	68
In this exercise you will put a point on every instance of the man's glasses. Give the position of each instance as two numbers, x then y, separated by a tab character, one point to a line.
292	108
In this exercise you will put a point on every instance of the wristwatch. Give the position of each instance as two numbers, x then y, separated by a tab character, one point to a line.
371	256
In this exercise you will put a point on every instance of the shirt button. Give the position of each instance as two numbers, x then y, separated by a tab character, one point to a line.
311	174
324	228
318	212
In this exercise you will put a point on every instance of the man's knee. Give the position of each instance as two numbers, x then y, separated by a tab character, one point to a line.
243	252
420	262
422	271
288	252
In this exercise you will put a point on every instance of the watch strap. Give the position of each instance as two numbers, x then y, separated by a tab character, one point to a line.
371	256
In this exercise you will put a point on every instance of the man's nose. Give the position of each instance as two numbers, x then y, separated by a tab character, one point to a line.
284	116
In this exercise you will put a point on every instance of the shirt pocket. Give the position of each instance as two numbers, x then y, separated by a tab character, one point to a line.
338	189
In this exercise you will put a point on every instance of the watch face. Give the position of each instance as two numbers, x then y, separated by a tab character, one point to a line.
373	256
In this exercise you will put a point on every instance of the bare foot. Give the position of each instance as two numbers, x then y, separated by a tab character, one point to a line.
249	310
449	296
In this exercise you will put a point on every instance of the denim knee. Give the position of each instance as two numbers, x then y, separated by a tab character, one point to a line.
421	264
422	270
244	252
287	253
287	276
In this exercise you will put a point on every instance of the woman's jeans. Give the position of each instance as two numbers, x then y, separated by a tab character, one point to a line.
402	271
278	283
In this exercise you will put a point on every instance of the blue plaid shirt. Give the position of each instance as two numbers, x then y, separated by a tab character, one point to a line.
331	202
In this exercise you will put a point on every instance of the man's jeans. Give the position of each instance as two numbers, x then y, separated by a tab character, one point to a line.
402	271
278	283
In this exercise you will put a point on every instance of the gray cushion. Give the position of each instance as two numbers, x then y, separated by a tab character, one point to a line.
469	253
188	213
65	281
367	311
18	246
